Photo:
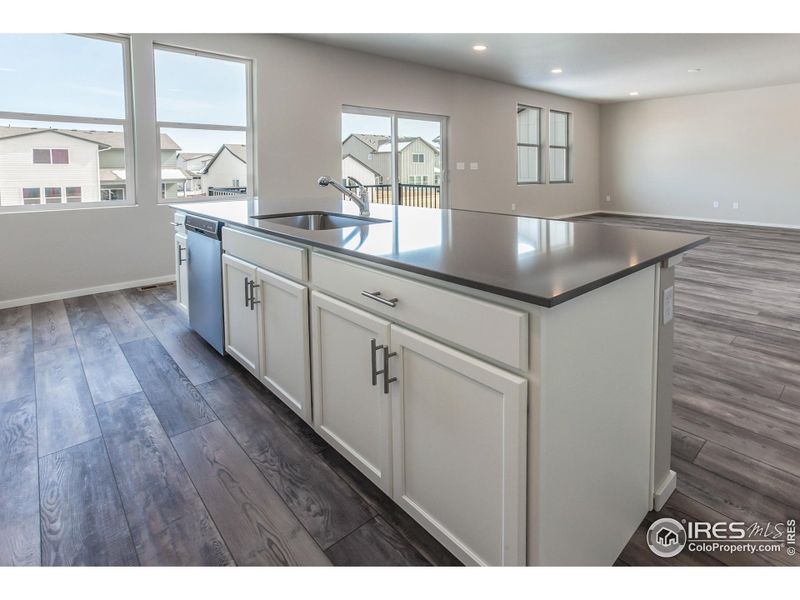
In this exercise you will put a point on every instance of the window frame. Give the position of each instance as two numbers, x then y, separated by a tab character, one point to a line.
127	124
415	161
394	116
540	162
249	64
567	148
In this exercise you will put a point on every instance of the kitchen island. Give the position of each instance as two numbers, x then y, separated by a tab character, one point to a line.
507	381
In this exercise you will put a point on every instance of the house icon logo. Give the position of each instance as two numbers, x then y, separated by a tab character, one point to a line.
666	537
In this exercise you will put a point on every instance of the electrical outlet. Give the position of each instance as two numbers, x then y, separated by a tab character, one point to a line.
735	206
459	166
473	166
715	204
513	207
608	197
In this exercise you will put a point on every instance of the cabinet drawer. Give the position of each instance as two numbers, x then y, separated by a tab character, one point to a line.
266	253
489	329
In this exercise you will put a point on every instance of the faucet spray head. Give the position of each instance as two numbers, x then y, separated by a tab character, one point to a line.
323	181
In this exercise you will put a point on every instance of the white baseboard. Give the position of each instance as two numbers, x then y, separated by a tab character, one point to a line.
112	287
684	218
664	490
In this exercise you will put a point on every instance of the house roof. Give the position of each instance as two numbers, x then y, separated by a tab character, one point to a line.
238	150
370	139
350	156
403	143
187	156
108	139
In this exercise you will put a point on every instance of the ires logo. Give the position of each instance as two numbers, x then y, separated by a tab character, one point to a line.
668	537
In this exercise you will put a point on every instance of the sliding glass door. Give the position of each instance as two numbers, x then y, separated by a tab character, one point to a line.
399	157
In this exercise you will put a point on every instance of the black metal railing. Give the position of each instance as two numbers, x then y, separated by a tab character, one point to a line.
229	191
411	194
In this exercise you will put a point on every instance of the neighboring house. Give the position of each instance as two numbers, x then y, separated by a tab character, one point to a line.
86	165
226	169
418	160
363	173
193	163
39	166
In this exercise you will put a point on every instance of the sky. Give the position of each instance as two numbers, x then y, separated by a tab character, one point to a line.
47	73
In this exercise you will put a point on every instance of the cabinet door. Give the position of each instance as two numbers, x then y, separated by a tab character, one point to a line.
241	317
350	411
285	358
181	276
459	447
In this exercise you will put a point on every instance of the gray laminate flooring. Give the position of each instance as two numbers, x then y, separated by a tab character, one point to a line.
736	411
126	440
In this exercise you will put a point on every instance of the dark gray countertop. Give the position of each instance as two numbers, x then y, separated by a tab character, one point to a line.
541	261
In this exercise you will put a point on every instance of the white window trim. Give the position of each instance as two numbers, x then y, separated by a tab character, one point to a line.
541	166
127	126
248	128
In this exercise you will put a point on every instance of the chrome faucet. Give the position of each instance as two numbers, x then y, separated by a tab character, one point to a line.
360	198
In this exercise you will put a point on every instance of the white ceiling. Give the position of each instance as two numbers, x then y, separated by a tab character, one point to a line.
599	67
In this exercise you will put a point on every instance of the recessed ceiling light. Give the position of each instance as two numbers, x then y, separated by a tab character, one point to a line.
633	93
557	70
479	48
694	70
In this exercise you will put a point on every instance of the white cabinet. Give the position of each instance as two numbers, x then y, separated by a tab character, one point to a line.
351	409
181	275
241	316
459	448
285	361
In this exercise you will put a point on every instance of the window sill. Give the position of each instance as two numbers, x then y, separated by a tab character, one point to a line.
23	209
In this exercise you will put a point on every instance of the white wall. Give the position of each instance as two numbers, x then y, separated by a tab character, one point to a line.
300	88
677	156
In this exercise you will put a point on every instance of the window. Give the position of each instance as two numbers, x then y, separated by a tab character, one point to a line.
50	156
559	147
381	149
212	119
528	144
84	129
52	195
112	194
73	194
32	195
41	156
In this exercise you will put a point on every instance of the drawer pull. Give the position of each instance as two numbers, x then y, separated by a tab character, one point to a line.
386	379
253	301
378	298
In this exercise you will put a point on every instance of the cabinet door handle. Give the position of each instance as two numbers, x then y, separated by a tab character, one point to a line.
253	300
378	298
386	379
181	260
246	292
374	347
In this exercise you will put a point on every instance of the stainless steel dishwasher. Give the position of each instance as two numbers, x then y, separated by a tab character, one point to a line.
204	262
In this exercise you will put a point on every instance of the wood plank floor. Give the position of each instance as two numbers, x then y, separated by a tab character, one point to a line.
125	439
736	415
111	402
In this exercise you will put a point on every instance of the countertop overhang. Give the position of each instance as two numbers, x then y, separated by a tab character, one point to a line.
540	261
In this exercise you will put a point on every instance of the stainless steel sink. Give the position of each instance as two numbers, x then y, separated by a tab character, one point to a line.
318	220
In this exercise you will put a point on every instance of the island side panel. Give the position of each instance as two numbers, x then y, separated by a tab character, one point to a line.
591	435
664	479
